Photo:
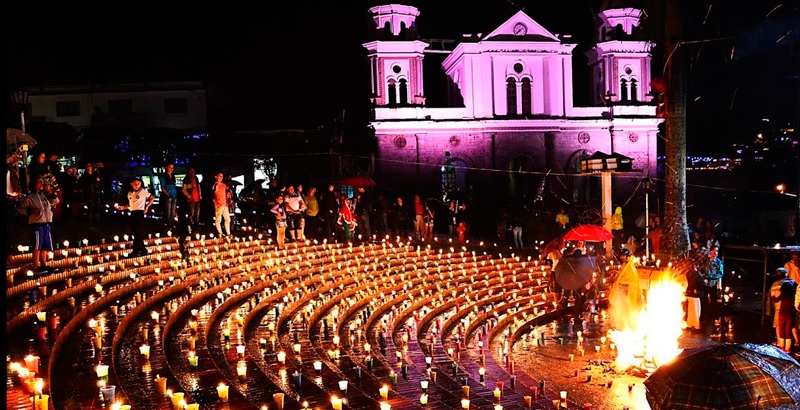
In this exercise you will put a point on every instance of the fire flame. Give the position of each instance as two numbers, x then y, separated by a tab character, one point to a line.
651	336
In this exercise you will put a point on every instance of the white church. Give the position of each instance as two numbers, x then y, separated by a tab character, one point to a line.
510	123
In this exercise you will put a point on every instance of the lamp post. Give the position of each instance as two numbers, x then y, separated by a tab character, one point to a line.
646	184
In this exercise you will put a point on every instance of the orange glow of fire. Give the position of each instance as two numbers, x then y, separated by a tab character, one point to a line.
650	338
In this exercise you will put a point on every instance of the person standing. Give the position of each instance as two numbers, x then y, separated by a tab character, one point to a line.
13	196
90	185
330	211
38	207
694	291
793	268
191	189
347	220
782	295
419	217
295	207
280	221
364	205
562	220
139	202
221	211
312	214
713	276
169	194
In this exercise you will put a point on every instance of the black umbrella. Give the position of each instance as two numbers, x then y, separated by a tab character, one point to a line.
575	271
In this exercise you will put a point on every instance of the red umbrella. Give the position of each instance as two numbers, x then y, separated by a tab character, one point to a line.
588	233
356	181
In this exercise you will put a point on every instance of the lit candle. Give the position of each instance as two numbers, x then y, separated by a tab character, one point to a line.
193	359
423	384
41	402
336	403
145	351
176	400
465	403
384	391
241	369
102	371
423	399
222	392
318	366
385	406
278	398
282	357
32	363
161	385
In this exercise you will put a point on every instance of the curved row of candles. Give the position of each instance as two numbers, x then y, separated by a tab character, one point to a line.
325	309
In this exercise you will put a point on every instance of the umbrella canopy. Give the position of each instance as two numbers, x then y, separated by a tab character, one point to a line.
726	376
356	181
575	271
588	233
15	138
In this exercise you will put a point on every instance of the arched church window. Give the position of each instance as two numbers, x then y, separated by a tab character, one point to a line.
403	29
623	90
526	96
392	93
403	91
387	30
511	96
603	33
454	176
619	32
634	90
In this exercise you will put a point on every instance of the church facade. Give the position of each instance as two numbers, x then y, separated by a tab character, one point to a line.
510	126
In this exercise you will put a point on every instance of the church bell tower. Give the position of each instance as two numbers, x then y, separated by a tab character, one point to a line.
395	57
620	61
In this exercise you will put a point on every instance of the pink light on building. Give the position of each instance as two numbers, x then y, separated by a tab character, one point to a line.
511	118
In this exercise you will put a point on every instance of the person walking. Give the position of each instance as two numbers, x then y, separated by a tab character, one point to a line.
221	211
191	189
38	207
169	195
139	202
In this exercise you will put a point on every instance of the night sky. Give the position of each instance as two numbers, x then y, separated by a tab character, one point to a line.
300	63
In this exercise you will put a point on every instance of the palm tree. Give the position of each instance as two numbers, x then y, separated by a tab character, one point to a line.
667	22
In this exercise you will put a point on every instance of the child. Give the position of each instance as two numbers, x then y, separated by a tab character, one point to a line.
462	232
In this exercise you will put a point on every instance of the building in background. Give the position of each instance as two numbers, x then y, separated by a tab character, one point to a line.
510	125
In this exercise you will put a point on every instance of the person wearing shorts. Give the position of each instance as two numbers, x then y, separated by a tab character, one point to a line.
38	207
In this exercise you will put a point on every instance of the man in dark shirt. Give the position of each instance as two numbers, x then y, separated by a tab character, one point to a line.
695	287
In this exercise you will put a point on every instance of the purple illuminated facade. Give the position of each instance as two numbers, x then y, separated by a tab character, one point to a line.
510	118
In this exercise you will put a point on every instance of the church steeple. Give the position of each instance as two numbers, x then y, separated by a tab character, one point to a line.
620	62
395	56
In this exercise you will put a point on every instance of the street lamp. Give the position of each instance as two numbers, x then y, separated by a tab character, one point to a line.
646	185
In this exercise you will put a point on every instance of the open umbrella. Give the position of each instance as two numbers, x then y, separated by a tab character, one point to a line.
575	271
356	181
588	233
726	376
16	138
